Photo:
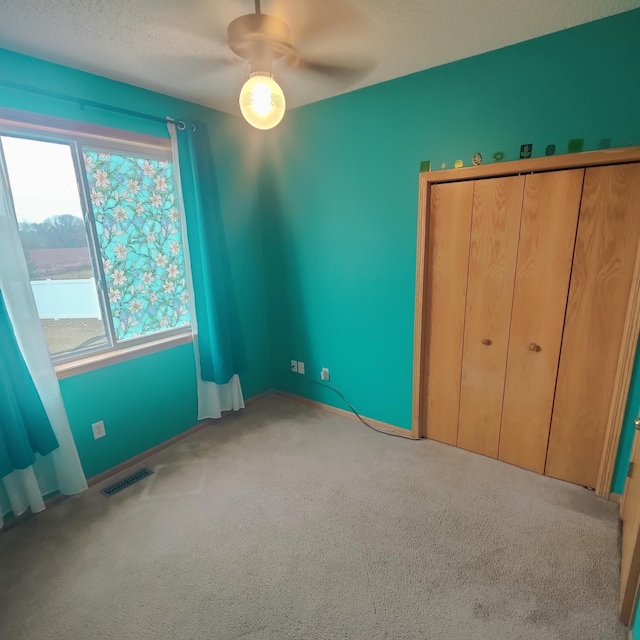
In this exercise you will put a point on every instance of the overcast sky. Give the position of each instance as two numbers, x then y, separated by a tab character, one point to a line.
42	177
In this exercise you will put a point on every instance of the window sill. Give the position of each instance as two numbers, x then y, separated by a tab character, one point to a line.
107	358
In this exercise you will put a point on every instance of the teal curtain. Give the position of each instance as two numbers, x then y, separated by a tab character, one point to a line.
220	344
24	426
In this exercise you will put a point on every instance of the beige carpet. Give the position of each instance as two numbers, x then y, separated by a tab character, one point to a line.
286	522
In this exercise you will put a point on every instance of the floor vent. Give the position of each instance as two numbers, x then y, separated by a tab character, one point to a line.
119	486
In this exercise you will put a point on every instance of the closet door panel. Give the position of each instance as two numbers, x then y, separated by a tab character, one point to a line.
497	206
447	264
604	261
545	254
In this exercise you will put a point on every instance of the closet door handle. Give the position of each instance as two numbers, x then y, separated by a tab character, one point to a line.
486	342
535	347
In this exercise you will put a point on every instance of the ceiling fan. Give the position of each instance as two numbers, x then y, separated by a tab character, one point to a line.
263	39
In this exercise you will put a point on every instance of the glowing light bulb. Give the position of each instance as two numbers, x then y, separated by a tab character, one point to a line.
262	101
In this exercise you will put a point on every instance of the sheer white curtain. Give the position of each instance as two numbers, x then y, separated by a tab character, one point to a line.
60	470
213	398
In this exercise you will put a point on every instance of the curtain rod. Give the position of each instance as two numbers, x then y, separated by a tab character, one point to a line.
89	103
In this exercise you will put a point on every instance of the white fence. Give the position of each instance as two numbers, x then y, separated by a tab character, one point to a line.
63	299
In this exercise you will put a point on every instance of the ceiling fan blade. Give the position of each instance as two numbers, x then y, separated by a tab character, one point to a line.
345	74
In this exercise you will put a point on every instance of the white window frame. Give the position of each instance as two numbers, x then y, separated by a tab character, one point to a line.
77	135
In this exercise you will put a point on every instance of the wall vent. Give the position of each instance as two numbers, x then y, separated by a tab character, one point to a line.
116	487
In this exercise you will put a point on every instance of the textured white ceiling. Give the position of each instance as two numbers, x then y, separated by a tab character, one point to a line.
178	47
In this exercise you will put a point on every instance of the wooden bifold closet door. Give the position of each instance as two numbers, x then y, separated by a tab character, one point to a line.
528	290
500	254
500	257
521	251
604	263
449	235
545	254
492	263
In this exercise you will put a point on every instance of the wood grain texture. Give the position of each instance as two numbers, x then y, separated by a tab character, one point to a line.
122	354
604	262
497	206
588	159
531	165
621	387
447	266
545	254
420	324
630	561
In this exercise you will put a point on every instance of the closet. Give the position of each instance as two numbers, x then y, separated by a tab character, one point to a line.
524	287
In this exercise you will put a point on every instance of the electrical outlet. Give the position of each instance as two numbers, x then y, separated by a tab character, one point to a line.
294	366
300	367
324	374
98	430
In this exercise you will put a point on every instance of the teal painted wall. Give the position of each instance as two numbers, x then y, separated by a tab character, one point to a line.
341	185
150	399
320	216
143	402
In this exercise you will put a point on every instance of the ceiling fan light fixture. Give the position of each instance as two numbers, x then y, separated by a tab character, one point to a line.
262	101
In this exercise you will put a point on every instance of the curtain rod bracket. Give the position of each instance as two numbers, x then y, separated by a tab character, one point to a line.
181	125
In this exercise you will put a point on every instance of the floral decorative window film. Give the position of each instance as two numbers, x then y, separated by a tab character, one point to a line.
138	229
102	237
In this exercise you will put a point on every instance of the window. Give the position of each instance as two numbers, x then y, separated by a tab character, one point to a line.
139	240
101	233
